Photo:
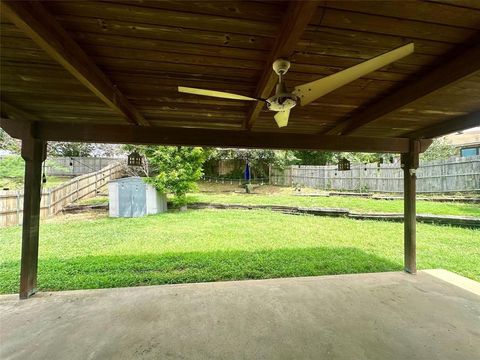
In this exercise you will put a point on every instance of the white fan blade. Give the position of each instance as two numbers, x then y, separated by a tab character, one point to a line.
318	88
219	94
281	117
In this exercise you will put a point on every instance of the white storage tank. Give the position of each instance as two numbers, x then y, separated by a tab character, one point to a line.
132	197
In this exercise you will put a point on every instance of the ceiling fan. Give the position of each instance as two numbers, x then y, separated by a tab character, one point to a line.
283	100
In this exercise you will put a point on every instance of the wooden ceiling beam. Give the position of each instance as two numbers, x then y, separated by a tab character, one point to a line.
447	127
16	129
463	65
12	112
297	16
17	122
46	32
127	134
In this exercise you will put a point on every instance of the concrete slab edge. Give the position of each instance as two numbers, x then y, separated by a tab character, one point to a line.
455	279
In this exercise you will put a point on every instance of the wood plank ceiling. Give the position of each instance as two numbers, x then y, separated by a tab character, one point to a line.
148	48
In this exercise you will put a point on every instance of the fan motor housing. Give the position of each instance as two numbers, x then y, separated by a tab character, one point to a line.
281	102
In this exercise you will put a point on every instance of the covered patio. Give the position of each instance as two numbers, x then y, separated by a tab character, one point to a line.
433	315
109	72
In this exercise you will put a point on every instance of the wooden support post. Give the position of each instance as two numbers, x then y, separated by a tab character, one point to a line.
410	165
33	152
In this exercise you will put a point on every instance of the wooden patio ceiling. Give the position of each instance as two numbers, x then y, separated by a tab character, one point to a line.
108	71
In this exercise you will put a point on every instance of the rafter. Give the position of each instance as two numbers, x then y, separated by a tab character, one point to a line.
447	127
463	65
296	19
46	32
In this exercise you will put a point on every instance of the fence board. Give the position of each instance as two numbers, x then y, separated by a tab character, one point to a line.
439	176
53	200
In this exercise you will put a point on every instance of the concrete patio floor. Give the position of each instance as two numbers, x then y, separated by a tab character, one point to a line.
434	315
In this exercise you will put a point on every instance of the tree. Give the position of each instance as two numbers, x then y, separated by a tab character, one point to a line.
8	143
73	149
69	149
439	150
107	150
61	148
306	157
325	157
174	169
258	159
364	158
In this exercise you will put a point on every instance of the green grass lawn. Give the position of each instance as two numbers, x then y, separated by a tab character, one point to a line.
17	183
12	170
212	245
351	203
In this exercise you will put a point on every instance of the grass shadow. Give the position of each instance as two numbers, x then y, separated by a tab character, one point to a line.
155	269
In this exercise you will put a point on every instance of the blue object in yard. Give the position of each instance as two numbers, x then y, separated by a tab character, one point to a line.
247	172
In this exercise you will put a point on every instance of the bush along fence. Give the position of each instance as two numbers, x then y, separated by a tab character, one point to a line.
439	176
53	200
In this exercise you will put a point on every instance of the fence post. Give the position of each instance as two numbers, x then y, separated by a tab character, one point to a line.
443	179
49	202
96	187
18	208
76	191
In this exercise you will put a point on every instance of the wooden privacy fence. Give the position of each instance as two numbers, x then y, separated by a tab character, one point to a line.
439	176
75	166
53	200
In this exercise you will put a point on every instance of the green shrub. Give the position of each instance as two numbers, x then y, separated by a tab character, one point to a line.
12	166
175	169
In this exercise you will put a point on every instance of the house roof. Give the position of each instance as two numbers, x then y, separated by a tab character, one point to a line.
87	69
464	139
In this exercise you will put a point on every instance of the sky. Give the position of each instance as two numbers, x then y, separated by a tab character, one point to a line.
474	129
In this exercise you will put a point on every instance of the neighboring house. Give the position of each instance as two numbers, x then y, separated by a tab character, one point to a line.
467	142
